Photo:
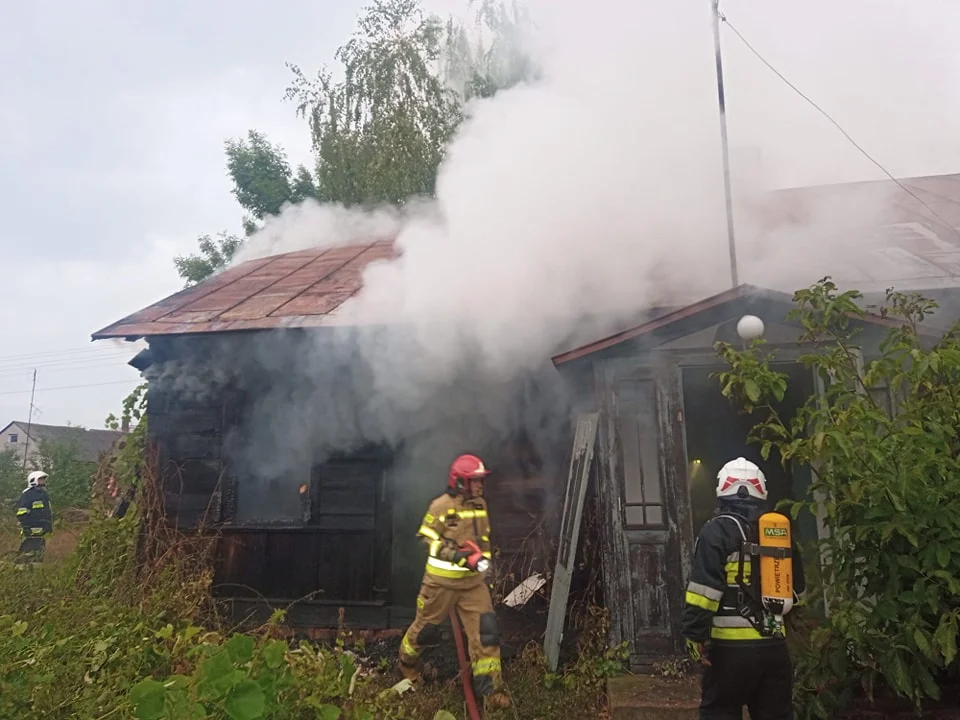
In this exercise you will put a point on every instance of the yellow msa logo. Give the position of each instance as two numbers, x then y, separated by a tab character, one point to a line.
775	532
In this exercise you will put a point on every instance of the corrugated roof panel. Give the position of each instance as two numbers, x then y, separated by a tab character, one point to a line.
898	263
260	306
231	295
949	261
311	303
188	316
290	290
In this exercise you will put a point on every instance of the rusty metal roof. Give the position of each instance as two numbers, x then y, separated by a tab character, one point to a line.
298	289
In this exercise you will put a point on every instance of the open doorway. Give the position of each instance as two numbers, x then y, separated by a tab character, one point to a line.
716	432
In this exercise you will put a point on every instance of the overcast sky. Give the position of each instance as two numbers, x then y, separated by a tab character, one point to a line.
113	115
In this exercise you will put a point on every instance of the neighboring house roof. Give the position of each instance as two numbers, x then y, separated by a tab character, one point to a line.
91	444
872	234
901	202
298	289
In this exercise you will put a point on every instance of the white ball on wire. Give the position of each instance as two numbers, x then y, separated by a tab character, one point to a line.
750	327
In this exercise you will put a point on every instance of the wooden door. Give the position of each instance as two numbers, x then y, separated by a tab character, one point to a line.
349	507
647	510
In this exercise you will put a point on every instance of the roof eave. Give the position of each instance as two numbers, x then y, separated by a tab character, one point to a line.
737	294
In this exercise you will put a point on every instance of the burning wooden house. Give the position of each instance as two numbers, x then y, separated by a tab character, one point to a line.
266	422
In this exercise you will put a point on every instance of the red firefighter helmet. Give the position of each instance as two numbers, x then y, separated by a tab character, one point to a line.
465	467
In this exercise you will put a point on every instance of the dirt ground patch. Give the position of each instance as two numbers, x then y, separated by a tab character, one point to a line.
887	708
649	697
60	544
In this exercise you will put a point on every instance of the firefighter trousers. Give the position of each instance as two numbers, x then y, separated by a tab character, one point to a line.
475	609
31	551
753	673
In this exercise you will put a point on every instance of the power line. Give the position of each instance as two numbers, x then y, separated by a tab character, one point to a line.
835	124
91	350
4	375
80	362
64	358
72	387
61	361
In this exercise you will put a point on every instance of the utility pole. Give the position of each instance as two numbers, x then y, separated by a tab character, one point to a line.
731	240
26	445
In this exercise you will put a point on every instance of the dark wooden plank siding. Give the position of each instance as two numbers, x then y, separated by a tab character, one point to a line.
187	422
517	505
339	544
292	564
525	499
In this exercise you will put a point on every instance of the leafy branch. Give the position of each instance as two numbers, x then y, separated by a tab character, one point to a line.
886	482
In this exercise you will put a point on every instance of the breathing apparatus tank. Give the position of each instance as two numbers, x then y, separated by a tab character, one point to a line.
776	564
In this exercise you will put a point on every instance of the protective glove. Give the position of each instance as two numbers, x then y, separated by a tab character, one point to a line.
469	555
698	652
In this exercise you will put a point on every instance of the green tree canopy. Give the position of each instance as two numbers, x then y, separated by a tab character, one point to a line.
262	180
380	125
71	478
215	254
379	133
262	183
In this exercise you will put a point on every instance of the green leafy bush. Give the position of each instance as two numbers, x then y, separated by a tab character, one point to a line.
883	440
75	642
248	679
12	478
71	477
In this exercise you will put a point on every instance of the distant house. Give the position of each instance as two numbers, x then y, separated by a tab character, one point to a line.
25	439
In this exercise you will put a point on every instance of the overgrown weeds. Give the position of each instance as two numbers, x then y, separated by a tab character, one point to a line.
126	627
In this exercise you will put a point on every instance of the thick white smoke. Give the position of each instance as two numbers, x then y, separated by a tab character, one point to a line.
566	207
597	191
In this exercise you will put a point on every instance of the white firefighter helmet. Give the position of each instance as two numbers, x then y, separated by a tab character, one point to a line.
34	478
741	473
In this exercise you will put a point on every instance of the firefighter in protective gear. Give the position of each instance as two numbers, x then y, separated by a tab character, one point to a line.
36	520
726	625
456	531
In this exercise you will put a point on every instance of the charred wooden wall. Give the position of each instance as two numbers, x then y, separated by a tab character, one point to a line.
355	543
188	434
525	499
337	552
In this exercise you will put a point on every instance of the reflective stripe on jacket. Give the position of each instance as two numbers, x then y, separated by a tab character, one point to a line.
450	522
34	512
713	599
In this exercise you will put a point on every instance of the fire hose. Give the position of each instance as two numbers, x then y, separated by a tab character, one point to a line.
465	675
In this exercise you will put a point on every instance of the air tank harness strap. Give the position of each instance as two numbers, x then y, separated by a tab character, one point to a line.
749	605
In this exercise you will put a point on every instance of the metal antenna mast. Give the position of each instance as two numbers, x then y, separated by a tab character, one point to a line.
731	239
26	445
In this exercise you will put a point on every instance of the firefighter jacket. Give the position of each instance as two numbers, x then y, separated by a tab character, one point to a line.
450	522
34	512
717	608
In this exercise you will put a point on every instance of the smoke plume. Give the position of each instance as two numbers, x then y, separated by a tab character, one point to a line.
564	209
